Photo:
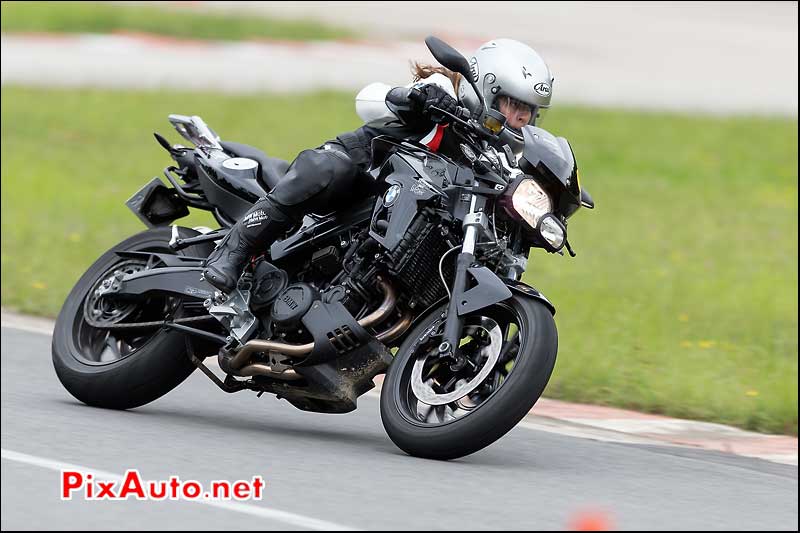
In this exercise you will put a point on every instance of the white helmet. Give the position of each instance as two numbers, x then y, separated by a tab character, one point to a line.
505	67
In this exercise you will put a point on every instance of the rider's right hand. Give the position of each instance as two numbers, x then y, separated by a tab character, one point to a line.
430	96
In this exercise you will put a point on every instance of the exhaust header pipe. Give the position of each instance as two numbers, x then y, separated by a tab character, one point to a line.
242	356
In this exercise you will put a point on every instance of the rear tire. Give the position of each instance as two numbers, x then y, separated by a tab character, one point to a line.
146	373
499	412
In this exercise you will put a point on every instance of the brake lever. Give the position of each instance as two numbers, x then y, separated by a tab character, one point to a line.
453	117
470	124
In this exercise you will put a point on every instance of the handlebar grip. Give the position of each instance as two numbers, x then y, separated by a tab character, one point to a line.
416	96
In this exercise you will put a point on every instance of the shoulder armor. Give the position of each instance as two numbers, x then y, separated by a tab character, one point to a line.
371	105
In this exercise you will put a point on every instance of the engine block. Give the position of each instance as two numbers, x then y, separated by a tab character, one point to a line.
415	261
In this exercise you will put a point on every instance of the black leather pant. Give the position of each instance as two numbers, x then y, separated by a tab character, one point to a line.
322	180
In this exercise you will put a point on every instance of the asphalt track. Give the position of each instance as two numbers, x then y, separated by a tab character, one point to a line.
342	471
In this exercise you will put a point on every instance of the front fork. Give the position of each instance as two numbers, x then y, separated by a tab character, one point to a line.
475	223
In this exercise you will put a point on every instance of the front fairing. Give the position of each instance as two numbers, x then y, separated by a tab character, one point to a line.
550	160
410	182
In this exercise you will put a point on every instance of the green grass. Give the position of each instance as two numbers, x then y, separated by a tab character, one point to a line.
682	300
92	17
683	297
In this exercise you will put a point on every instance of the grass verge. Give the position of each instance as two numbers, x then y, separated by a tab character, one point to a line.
682	300
95	17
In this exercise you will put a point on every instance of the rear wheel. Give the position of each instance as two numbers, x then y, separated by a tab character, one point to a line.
439	410
104	366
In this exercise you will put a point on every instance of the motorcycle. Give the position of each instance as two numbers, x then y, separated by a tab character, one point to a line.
421	282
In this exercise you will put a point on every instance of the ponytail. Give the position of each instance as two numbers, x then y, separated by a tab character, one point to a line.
420	71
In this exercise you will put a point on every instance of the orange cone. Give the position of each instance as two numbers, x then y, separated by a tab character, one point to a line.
590	520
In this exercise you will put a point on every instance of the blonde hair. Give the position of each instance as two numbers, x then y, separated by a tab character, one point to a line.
423	70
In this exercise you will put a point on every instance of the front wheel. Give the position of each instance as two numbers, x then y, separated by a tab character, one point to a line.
435	409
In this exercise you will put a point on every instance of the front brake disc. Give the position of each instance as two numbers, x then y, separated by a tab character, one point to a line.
490	352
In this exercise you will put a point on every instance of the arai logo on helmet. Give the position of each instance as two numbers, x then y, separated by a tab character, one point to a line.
542	89
391	195
473	69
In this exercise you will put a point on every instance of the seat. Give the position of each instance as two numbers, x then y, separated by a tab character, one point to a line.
270	169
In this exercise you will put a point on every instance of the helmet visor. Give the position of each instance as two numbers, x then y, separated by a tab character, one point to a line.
519	113
538	116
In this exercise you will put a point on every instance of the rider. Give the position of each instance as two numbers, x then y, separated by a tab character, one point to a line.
513	79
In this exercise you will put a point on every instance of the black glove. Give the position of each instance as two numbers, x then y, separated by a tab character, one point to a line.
430	96
413	106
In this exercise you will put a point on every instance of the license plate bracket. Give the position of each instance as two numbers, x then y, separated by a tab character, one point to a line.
157	205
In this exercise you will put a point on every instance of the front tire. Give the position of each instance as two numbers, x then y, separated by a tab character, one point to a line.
132	370
492	409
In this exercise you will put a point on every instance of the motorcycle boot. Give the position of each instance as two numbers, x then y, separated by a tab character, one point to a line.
257	230
317	180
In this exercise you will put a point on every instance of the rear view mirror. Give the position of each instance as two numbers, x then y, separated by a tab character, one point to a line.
586	199
448	56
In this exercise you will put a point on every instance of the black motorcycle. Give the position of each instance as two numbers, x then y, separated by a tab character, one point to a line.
420	281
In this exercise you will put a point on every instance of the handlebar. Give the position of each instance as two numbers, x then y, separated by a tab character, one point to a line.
462	117
418	97
465	119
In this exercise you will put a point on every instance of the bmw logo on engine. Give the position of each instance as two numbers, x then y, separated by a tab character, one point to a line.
391	195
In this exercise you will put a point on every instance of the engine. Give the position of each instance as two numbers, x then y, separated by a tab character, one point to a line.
415	261
412	267
351	275
292	303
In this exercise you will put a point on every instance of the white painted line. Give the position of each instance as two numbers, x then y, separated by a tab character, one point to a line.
560	427
29	329
786	459
44	326
291	519
26	323
616	431
662	427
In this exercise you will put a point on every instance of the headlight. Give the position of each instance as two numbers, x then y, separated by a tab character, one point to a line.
552	231
531	202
